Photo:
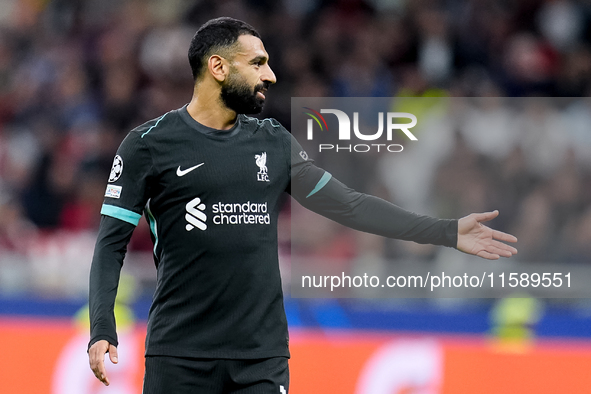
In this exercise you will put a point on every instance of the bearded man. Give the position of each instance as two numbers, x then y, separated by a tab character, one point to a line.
209	180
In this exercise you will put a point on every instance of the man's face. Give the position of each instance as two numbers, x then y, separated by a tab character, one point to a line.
243	91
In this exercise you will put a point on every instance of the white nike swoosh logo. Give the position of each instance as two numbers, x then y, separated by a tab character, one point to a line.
180	172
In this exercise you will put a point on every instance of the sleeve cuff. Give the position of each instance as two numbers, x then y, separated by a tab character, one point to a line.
113	341
451	234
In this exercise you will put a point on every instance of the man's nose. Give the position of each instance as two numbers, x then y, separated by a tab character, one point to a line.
268	75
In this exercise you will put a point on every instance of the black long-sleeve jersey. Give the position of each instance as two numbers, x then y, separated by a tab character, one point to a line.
211	198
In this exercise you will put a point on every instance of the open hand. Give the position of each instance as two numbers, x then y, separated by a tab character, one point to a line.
482	241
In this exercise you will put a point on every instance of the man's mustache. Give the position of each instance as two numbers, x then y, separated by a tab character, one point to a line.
262	86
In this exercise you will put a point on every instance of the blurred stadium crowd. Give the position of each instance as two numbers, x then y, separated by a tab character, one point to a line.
76	76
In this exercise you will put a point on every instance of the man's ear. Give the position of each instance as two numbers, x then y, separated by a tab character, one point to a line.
218	67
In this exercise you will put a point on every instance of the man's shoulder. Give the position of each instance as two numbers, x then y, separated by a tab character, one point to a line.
269	125
153	126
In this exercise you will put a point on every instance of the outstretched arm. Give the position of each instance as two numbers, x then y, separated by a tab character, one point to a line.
318	191
477	239
336	201
373	215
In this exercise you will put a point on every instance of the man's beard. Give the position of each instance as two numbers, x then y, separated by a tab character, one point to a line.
240	97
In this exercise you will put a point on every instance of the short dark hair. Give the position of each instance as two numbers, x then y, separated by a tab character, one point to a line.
216	35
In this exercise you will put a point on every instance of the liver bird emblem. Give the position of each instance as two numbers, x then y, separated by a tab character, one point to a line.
261	162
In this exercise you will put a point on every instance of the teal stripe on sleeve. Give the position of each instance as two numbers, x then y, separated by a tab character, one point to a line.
121	214
321	183
153	225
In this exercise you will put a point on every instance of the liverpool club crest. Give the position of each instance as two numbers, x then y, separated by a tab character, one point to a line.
261	162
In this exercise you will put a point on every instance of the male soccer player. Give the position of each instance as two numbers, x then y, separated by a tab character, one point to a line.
208	178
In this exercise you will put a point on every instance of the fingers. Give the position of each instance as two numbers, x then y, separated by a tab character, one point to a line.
499	249
504	247
504	237
492	250
486	255
486	216
96	356
113	354
98	367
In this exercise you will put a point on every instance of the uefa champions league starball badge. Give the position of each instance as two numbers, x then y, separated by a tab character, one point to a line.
117	169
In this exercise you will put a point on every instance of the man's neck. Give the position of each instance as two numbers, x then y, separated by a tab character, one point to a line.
206	108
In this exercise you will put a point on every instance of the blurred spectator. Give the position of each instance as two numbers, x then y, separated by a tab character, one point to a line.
16	232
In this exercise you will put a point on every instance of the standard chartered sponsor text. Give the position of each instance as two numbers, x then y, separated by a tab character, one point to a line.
240	213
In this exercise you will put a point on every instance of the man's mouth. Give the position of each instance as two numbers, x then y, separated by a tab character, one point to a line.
261	90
